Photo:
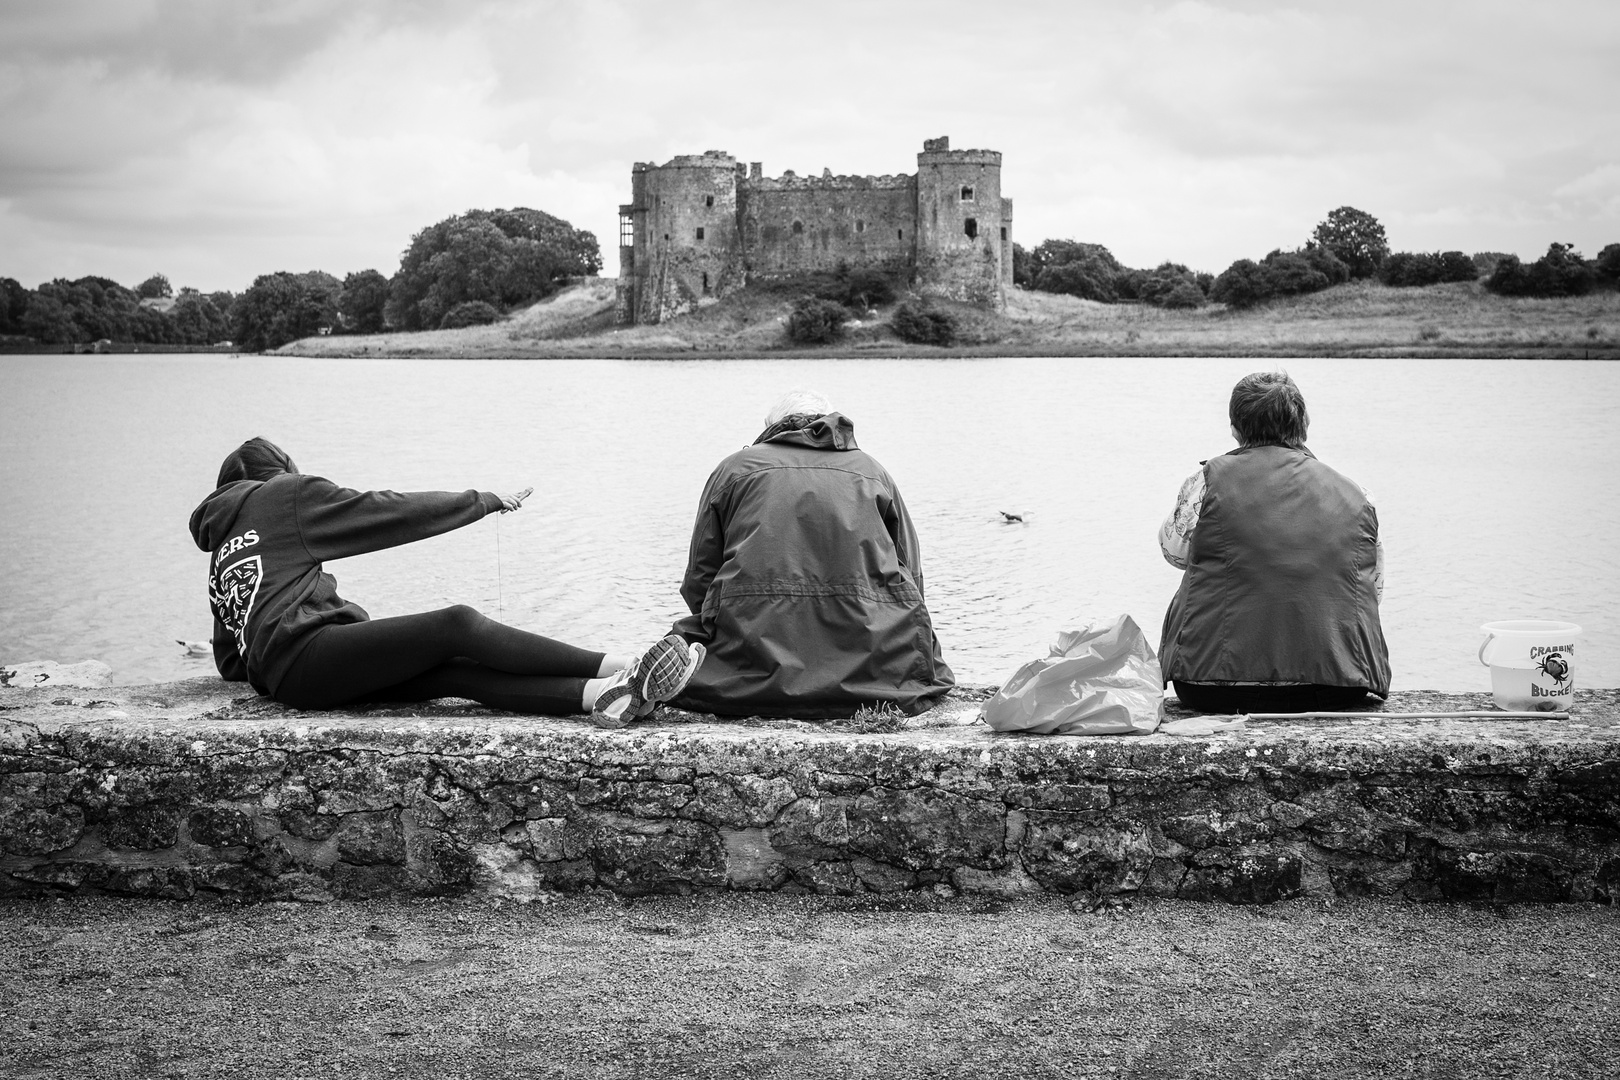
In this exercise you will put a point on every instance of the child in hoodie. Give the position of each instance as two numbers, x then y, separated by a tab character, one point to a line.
280	625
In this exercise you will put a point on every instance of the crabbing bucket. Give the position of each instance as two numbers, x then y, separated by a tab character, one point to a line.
1532	663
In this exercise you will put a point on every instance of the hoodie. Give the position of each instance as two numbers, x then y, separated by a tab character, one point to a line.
266	541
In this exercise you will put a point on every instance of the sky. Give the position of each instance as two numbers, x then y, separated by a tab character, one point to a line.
217	140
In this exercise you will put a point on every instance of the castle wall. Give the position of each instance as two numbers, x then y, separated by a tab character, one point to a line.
793	224
958	193
686	246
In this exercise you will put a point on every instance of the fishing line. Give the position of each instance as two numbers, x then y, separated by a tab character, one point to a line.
500	606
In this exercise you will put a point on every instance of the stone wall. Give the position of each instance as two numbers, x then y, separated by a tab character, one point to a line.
192	789
792	224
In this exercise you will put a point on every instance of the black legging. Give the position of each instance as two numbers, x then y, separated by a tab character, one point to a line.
1222	698
452	652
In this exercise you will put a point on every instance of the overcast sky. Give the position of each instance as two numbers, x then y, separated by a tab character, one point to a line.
213	140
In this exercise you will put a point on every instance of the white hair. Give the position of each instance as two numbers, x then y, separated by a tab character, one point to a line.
798	402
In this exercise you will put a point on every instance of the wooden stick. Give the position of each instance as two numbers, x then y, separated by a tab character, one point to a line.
1475	714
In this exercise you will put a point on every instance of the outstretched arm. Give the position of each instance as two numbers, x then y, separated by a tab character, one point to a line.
337	522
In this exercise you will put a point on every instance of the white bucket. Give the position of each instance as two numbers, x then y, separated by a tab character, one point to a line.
1532	664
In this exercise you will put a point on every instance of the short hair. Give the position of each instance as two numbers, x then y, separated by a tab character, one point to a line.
256	459
1268	409
798	402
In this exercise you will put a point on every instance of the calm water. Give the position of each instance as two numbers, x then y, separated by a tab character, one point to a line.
1498	486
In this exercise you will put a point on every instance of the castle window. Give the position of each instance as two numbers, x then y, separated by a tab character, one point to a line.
627	230
971	228
860	226
708	200
700	232
899	234
798	228
666	236
967	193
705	283
1004	234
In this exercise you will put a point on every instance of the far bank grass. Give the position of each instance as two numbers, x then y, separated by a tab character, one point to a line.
1360	319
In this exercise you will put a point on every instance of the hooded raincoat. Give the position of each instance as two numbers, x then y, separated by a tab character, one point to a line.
805	584
266	540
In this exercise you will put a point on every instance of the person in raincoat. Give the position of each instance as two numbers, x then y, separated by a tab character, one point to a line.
805	580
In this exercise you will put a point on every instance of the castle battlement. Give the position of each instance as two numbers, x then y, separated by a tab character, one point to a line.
701	225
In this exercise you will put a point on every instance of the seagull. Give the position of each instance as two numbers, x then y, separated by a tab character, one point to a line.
1011	517
195	648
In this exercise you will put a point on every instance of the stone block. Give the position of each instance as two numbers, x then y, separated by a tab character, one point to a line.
1259	877
751	861
1079	852
662	857
140	828
219	826
375	839
739	802
927	829
350	882
37	830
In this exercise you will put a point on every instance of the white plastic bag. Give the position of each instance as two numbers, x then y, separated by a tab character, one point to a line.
1103	680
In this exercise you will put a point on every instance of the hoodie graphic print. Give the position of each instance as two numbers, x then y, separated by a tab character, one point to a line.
232	587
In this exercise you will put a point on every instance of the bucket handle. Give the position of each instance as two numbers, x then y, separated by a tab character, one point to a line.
1483	646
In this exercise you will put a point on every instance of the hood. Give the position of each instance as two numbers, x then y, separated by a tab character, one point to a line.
834	431
212	520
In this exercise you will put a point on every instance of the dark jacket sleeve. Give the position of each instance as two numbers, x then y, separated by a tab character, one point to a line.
226	658
898	521
336	522
708	549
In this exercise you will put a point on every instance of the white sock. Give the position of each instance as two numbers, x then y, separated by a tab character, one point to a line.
593	690
612	662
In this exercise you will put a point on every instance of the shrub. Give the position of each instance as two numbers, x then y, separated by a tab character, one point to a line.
815	321
1457	266
1560	272
1293	275
1607	264
860	289
1243	284
1486	261
1088	279
921	324
470	313
1406	269
1183	296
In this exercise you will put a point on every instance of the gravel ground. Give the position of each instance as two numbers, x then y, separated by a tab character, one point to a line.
804	986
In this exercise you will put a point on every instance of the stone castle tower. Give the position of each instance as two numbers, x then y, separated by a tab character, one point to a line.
702	225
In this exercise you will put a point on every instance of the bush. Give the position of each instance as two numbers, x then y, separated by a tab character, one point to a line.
815	321
860	289
1560	272
1406	269
921	324
1243	284
1184	296
470	313
1607	264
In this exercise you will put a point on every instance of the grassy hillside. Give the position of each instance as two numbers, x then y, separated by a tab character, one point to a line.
1360	319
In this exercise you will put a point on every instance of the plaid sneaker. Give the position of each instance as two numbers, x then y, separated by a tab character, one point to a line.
658	675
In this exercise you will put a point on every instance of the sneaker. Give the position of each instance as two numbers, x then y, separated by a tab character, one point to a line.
658	675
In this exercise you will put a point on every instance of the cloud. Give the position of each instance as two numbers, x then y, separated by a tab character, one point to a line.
220	141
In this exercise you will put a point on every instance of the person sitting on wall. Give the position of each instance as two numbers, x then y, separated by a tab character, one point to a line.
1283	571
280	625
805	579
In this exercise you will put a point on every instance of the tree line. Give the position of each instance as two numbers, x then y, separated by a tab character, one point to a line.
468	269
1348	245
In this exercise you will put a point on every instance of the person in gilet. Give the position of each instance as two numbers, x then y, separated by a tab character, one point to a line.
1282	567
280	625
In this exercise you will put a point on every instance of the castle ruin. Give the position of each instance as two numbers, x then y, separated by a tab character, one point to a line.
702	226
